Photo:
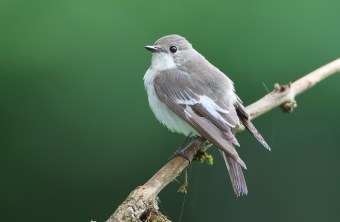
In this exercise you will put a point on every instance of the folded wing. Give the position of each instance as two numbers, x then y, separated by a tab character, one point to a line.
211	120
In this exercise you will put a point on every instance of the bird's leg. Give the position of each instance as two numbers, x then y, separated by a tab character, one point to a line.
182	147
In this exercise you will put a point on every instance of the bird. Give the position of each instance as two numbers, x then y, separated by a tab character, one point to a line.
191	96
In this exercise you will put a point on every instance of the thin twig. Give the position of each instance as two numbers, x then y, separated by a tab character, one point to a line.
142	202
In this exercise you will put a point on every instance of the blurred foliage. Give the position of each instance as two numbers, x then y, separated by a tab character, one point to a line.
77	134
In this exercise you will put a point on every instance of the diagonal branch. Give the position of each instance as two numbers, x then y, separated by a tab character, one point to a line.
141	204
285	95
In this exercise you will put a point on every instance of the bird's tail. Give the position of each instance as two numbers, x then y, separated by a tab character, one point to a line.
236	175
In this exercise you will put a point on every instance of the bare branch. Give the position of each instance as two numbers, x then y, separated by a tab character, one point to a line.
285	95
141	204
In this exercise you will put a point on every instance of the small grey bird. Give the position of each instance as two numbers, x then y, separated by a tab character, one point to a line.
191	96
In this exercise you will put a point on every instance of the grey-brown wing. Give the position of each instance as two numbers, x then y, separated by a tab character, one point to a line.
181	99
224	121
190	89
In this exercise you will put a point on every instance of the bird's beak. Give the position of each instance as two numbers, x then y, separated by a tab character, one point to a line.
152	48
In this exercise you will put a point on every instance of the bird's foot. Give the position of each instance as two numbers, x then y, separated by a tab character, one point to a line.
181	149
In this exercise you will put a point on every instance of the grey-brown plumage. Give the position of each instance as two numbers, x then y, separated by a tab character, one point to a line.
191	96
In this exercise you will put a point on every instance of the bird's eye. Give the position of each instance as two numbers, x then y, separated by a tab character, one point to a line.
173	49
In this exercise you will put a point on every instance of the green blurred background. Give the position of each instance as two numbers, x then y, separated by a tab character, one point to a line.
77	134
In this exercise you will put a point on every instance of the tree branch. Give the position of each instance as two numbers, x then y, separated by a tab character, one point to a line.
141	204
285	95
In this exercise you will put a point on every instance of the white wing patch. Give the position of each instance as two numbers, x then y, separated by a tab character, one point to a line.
184	98
208	103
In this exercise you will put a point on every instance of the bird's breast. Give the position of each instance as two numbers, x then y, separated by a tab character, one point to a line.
161	111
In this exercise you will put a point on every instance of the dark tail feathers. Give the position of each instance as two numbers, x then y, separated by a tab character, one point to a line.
236	175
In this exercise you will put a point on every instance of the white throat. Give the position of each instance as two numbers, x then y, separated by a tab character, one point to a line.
162	61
